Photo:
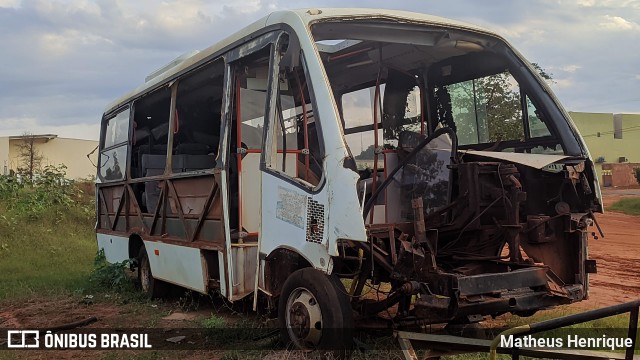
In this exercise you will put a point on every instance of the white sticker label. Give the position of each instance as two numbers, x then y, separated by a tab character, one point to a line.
291	207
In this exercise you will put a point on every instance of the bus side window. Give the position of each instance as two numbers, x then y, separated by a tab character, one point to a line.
198	116
299	150
150	133
113	156
149	139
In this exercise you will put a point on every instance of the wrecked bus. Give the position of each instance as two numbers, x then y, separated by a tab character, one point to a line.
343	163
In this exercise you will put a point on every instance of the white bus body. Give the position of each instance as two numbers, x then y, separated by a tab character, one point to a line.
376	145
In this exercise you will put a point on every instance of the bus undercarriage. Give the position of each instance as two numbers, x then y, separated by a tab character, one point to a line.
498	246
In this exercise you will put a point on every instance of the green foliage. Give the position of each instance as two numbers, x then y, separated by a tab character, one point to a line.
106	276
9	186
486	109
214	322
543	73
47	238
47	194
630	206
366	154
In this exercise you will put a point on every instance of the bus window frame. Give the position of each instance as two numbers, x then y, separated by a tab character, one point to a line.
232	58
270	126
103	134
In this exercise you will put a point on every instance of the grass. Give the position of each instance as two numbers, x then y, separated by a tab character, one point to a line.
630	206
44	256
214	322
45	249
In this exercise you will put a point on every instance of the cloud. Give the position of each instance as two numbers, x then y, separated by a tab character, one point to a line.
617	23
20	125
62	43
587	3
17	123
608	3
9	3
68	59
570	68
563	83
64	60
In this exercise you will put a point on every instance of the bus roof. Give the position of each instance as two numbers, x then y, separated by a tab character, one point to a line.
304	16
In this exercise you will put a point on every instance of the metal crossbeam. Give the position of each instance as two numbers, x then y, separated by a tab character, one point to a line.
450	345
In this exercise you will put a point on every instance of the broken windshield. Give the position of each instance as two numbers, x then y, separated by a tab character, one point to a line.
389	77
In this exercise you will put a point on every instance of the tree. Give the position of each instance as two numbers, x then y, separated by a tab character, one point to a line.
29	156
366	154
543	73
487	109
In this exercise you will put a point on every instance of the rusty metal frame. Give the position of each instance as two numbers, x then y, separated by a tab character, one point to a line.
103	202
156	212
125	198
174	194
137	208
120	205
167	191
213	195
439	345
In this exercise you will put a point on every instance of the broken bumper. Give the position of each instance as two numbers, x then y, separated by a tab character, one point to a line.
473	297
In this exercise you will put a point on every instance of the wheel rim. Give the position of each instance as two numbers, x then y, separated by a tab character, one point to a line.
145	275
303	319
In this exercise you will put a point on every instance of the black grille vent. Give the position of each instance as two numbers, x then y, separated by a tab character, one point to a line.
315	221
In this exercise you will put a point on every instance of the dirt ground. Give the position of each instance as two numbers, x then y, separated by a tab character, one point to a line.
617	256
114	315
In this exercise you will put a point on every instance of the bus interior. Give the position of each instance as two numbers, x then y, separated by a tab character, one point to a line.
474	194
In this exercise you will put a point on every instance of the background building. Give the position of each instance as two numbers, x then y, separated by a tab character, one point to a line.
53	151
614	143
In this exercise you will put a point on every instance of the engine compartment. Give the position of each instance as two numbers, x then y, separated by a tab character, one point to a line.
475	235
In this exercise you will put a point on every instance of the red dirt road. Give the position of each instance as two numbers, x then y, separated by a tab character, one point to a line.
618	259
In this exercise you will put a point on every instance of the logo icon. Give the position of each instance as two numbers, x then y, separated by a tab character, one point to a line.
20	339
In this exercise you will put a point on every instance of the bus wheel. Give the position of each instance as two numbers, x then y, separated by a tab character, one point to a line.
315	313
152	287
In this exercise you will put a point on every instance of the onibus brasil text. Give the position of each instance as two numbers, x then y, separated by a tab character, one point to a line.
49	340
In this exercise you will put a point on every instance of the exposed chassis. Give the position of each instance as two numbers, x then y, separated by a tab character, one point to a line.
489	251
447	296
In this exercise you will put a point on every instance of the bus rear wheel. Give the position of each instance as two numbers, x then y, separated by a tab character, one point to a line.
315	313
151	286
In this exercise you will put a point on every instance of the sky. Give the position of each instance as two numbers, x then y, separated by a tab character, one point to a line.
63	61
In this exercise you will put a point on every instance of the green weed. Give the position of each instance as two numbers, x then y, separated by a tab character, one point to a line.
630	206
214	322
107	276
47	238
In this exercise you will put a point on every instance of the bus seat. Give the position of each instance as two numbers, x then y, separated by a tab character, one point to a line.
194	162
368	182
152	165
192	149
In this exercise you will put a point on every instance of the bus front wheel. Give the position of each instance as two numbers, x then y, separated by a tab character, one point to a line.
315	313
151	286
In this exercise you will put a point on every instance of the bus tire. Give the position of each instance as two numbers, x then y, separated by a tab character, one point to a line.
314	313
151	286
